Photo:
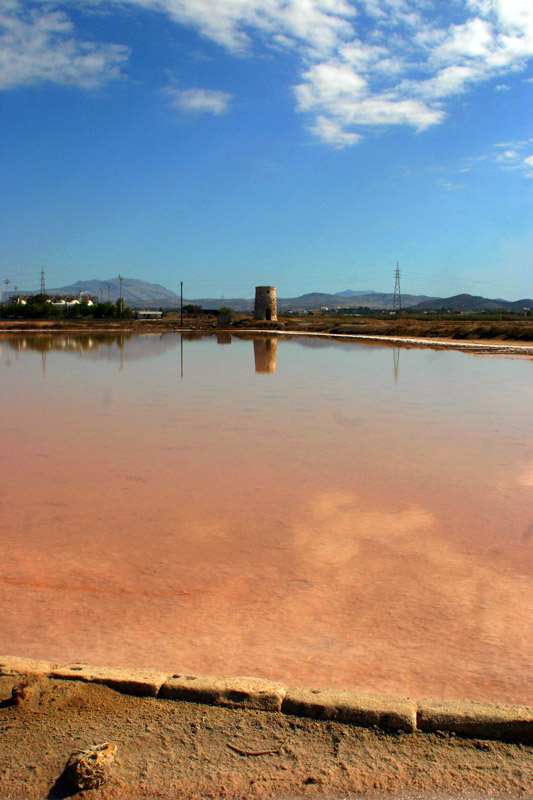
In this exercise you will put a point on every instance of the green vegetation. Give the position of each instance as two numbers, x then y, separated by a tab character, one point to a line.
192	309
41	306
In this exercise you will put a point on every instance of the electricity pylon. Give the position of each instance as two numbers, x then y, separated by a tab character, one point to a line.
397	299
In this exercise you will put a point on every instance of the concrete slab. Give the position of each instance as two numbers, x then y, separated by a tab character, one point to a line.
13	665
389	713
234	692
479	720
140	682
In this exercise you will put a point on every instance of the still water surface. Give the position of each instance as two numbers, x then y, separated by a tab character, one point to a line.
324	513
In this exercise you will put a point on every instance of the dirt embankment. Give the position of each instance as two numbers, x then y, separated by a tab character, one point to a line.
170	749
509	331
433	329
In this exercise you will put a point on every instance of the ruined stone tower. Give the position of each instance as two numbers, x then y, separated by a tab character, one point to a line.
266	306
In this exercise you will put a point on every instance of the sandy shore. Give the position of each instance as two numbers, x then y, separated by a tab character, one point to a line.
169	749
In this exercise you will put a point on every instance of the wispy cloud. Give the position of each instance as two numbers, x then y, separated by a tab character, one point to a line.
199	101
37	44
363	63
517	155
450	186
512	155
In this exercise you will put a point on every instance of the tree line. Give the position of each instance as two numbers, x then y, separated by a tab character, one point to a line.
39	306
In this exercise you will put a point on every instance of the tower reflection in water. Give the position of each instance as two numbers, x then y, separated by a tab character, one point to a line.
265	352
396	360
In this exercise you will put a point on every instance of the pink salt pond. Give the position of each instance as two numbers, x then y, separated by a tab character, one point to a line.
323	513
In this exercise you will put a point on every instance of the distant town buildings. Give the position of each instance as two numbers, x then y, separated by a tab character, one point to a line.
147	313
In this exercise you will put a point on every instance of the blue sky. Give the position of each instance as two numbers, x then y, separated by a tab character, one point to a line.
311	144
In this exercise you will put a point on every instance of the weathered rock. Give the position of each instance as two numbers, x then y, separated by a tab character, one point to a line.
480	720
89	769
389	713
140	682
20	693
235	692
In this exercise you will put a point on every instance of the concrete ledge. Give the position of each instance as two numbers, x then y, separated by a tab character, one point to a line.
389	713
480	720
469	719
237	692
12	665
140	682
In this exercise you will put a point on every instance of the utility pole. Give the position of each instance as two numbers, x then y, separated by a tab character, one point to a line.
120	278
397	299
181	307
43	290
7	282
101	295
108	292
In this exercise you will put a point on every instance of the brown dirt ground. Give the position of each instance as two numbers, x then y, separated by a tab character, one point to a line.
510	332
168	749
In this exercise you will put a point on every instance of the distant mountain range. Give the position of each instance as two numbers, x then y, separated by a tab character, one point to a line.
134	292
468	302
140	294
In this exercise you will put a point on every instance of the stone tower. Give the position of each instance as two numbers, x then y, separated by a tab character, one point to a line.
266	306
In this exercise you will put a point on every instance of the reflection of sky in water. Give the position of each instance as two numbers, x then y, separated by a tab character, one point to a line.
324	513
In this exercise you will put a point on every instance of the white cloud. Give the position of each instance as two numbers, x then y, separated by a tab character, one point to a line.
37	44
363	63
514	155
199	101
528	166
450	186
329	131
336	91
369	63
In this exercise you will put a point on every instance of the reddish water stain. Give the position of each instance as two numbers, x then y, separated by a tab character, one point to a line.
325	514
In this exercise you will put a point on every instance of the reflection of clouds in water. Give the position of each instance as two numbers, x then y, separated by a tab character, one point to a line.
338	527
402	561
525	477
520	474
345	421
348	592
107	397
